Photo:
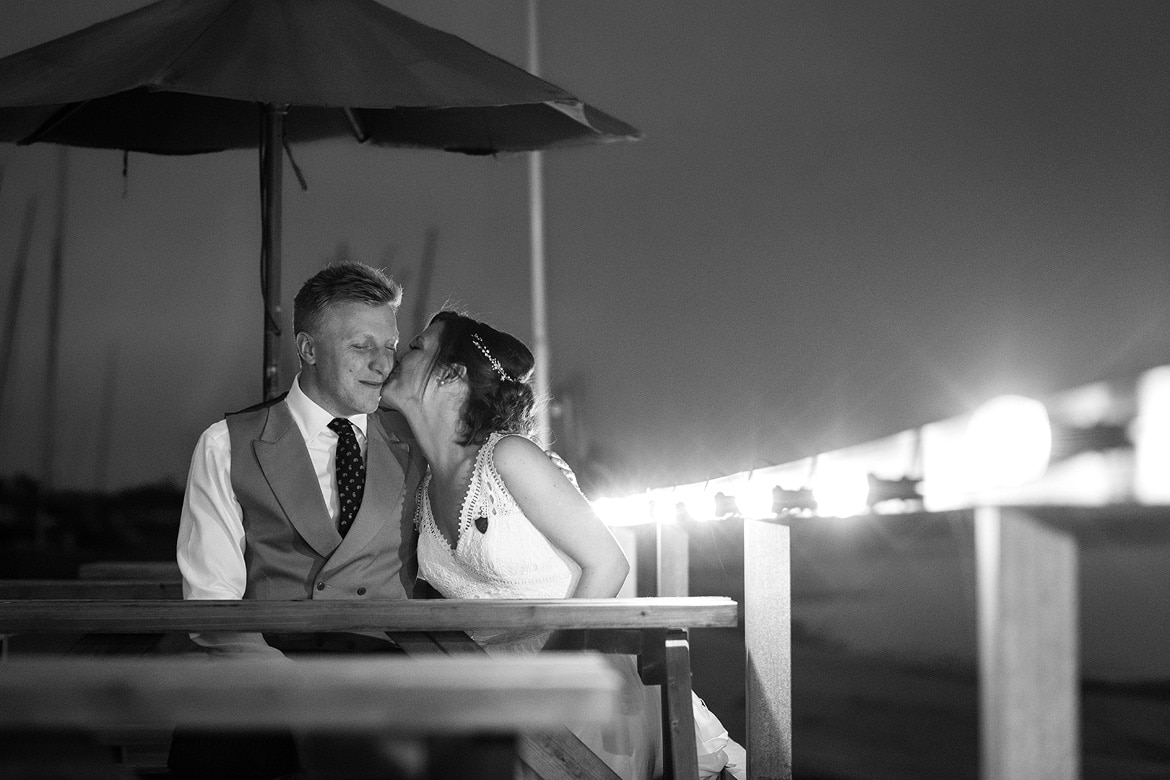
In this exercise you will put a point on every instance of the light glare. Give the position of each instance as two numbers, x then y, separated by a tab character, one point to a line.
755	500
840	490
1008	442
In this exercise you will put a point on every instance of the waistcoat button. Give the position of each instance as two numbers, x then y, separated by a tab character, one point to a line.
320	586
361	591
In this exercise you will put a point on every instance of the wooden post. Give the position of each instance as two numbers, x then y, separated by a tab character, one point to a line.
1028	655
673	560
627	539
768	641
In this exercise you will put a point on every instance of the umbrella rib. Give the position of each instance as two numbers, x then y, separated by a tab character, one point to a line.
156	79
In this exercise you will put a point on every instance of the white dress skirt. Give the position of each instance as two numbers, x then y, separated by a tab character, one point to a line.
499	554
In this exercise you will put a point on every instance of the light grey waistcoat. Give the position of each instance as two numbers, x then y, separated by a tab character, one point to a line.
293	549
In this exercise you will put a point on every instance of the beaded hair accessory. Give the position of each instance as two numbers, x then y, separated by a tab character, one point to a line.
491	358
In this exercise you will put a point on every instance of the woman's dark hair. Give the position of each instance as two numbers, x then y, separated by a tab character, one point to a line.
499	373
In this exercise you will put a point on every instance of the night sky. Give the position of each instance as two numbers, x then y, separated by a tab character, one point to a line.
844	220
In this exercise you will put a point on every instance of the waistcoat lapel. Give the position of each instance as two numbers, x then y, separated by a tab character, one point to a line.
284	459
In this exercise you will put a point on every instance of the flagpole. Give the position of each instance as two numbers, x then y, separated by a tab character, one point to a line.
540	349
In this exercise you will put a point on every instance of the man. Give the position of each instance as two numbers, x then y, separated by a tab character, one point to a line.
310	495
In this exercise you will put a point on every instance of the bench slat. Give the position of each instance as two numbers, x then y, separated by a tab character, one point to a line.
129	570
90	589
160	616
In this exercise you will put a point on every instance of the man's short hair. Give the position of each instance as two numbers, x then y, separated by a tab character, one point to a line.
339	283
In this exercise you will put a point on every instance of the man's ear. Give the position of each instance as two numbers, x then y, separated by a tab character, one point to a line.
306	349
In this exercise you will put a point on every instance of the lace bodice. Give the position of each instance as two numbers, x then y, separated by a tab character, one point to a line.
498	553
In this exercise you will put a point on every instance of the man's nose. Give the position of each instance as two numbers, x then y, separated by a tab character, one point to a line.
383	362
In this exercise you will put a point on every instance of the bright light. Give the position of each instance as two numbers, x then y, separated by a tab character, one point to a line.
755	499
631	510
1008	442
699	503
840	490
662	507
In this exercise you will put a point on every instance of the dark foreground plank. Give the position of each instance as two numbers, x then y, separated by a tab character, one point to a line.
448	695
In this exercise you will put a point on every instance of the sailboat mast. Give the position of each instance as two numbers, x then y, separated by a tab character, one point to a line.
15	294
48	421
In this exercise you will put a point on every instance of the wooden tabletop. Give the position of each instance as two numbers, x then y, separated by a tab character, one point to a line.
456	694
160	616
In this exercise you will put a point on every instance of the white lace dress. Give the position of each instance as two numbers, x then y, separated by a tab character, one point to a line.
499	554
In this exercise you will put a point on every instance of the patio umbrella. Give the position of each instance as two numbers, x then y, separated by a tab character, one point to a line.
195	76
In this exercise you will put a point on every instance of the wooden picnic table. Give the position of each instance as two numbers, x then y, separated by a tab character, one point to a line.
653	628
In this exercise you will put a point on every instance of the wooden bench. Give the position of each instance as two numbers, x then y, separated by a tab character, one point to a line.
91	589
161	571
468	695
654	629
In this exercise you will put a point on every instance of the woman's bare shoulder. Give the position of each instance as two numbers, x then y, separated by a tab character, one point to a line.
515	451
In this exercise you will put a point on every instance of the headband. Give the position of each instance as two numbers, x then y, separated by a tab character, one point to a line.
491	358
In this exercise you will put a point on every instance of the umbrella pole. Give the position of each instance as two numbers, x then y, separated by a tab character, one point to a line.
271	169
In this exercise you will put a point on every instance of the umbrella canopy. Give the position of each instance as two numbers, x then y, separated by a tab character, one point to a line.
194	76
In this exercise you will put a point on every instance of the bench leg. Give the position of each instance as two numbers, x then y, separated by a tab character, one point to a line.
666	661
679	752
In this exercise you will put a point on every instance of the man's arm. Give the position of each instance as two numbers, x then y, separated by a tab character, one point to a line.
210	547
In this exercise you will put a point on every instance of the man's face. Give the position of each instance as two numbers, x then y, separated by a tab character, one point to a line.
349	357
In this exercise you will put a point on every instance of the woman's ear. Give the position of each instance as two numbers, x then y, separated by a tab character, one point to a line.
453	372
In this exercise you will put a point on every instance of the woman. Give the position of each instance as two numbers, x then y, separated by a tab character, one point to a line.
498	519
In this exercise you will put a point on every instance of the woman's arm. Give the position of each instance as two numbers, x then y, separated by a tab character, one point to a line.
563	515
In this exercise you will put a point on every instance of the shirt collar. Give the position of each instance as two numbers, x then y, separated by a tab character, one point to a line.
311	418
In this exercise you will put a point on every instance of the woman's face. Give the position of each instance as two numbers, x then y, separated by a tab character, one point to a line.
408	381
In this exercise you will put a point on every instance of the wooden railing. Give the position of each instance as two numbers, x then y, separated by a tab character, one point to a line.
1027	581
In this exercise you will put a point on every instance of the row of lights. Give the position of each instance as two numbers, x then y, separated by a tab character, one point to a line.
1008	442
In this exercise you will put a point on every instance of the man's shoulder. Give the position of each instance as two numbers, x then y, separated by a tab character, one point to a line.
253	421
215	435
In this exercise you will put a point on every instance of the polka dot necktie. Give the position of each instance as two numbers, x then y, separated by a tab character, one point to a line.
351	473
